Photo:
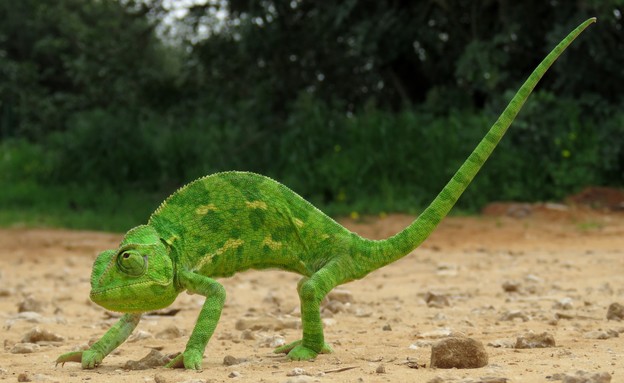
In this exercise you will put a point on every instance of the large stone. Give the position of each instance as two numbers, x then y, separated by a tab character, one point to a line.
458	353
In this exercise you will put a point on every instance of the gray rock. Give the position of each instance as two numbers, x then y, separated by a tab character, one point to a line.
602	335
437	300
154	359
30	304
24	348
543	340
583	377
37	335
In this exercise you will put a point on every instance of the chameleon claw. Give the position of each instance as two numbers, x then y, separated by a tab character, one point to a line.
75	356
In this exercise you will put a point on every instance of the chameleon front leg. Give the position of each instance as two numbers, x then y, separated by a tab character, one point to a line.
210	313
115	336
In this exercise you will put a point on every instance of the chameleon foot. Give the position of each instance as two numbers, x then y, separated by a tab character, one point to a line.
288	348
88	358
190	360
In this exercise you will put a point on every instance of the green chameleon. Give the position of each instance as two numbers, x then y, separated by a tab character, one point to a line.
233	221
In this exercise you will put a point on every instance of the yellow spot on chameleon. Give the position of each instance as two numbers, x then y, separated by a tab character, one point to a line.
230	244
271	244
298	222
204	209
256	205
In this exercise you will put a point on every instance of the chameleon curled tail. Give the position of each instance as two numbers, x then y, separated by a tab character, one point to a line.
401	244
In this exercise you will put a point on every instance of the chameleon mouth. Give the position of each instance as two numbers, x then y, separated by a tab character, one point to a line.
125	299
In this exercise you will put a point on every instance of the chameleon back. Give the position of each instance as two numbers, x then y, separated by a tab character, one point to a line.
233	221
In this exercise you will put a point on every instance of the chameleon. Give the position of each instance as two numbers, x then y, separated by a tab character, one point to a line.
229	222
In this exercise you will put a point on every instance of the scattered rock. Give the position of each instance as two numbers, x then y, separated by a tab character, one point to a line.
334	307
437	300
615	312
381	369
600	334
301	379
37	335
583	377
515	314
564	304
234	374
272	299
30	304
229	360
297	371
160	379
511	286
340	295
154	359
248	335
458	353
273	341
171	332
447	269
266	324
502	343
437	333
139	335
386	327
23	377
24	348
530	340
5	292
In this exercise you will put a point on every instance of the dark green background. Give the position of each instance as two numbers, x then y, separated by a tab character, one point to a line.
364	106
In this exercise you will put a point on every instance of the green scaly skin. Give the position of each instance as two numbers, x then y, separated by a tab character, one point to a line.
229	222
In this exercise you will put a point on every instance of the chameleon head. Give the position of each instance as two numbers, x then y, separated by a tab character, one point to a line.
137	277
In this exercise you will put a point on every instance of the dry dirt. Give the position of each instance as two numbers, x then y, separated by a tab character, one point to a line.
565	265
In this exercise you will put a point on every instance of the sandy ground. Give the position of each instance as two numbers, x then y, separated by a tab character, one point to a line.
567	267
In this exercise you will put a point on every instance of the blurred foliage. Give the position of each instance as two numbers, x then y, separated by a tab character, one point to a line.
108	105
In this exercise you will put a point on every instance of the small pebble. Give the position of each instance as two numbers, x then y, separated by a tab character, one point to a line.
615	312
37	335
543	340
583	377
381	369
248	335
24	348
297	371
171	332
154	359
387	327
139	335
30	304
340	295
608	334
564	304
234	374
511	286
229	360
515	314
437	300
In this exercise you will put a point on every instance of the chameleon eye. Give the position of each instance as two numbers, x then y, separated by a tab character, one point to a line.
132	263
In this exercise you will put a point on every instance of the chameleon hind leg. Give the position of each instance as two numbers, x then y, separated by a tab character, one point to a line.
311	291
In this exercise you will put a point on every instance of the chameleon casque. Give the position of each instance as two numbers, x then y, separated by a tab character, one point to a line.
233	221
